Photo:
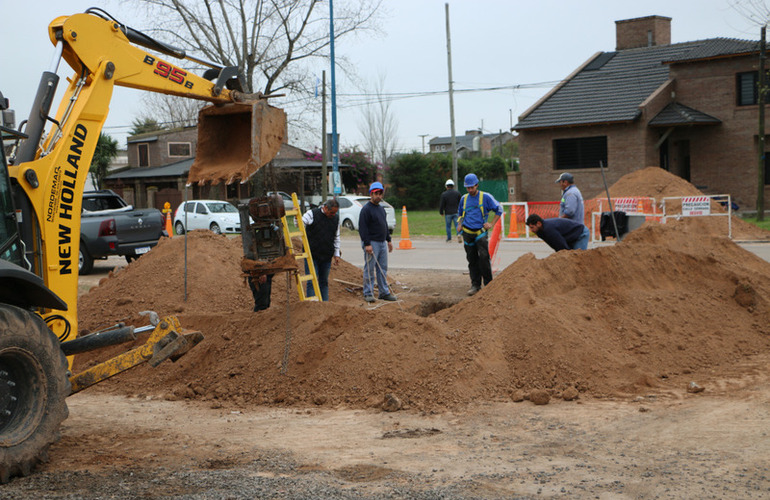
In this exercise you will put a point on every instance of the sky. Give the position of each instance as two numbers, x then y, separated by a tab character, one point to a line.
523	46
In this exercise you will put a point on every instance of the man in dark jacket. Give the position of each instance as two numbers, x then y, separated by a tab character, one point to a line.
450	201
322	226
375	240
560	234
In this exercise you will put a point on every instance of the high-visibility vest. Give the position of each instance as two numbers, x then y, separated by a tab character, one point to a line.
480	206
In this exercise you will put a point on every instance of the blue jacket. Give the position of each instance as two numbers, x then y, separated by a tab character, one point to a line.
473	215
561	233
373	224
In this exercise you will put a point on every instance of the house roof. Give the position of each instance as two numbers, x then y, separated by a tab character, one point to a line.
463	141
181	168
611	87
716	47
675	114
177	169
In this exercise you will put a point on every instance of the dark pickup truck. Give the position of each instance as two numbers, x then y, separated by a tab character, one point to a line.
109	226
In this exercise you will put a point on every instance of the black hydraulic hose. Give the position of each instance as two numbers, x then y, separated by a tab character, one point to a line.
98	340
38	117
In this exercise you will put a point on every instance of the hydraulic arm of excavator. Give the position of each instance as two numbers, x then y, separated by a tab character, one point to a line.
52	172
39	247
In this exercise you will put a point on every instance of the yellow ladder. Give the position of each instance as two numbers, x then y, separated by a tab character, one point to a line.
302	257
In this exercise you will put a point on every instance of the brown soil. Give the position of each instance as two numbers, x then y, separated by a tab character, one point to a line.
669	303
657	183
650	354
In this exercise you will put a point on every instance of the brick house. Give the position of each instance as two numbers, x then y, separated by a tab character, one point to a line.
158	164
690	108
473	143
162	147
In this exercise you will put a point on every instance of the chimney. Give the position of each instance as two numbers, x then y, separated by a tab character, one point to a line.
642	32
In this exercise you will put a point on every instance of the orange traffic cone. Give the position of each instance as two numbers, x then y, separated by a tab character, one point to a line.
494	240
513	230
405	243
167	210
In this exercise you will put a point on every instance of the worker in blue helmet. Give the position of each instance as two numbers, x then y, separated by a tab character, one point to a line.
474	209
375	240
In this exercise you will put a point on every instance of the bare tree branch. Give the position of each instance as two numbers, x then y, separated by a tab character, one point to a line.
261	37
379	127
755	11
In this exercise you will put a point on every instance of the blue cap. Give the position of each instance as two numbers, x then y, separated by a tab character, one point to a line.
471	180
376	185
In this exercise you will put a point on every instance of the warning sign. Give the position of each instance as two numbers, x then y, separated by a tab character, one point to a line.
696	205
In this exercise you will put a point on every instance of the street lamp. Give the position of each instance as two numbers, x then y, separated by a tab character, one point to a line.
423	141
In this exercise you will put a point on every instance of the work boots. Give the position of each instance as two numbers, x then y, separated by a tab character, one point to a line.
474	290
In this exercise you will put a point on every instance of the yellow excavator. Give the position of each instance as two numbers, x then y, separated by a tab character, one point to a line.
41	188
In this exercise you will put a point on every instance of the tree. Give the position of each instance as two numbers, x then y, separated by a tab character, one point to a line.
755	11
143	125
176	111
106	150
379	127
417	180
361	170
268	38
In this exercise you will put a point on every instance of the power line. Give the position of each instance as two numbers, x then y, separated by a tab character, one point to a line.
364	99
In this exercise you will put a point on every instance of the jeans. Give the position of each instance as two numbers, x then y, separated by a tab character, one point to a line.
477	253
322	269
376	265
261	292
582	242
451	225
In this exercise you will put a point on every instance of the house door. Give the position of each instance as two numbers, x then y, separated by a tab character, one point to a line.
663	159
683	159
170	195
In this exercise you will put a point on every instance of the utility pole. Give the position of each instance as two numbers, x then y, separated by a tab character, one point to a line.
451	96
761	145
335	137
324	153
510	115
423	141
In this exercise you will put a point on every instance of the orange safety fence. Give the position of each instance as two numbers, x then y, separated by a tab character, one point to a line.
519	211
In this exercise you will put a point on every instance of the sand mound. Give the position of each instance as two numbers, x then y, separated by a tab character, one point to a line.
669	301
215	283
658	183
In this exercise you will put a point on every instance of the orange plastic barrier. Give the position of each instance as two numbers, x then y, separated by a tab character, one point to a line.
513	229
405	243
494	240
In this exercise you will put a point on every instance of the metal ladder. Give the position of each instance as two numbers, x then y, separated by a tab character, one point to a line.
303	257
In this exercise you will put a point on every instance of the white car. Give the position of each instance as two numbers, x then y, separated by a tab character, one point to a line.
288	204
350	208
216	215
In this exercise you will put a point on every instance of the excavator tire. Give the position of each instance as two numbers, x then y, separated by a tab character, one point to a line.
33	388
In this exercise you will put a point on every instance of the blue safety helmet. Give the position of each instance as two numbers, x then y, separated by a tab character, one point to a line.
376	185
471	180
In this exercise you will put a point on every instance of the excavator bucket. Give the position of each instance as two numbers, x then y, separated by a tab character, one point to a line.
235	140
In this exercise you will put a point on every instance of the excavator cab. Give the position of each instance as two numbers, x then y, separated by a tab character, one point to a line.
10	241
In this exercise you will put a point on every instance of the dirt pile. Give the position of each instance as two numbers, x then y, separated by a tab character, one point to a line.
214	283
657	183
668	304
651	181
